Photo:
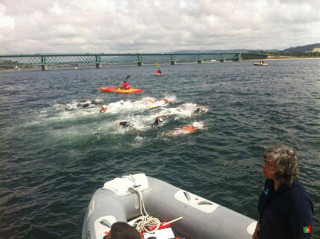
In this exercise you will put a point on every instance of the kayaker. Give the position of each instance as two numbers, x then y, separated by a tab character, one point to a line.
124	124
125	85
158	72
284	205
158	120
122	230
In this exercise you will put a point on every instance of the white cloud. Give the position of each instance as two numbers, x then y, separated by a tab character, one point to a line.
155	26
56	9
6	21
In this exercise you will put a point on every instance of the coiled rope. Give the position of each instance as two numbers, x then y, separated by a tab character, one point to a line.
146	220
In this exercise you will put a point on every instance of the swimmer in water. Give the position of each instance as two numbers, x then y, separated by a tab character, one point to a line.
86	104
166	101
201	108
187	129
103	108
125	124
162	101
158	120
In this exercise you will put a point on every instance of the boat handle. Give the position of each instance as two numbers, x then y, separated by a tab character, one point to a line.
187	195
205	203
105	223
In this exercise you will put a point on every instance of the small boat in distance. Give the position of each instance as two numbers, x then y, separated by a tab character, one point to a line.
261	63
134	198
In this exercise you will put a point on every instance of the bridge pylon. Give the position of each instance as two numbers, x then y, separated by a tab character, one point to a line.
44	66
173	60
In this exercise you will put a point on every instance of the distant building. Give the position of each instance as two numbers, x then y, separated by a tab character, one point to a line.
316	49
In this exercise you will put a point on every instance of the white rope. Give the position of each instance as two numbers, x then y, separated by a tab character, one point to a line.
147	220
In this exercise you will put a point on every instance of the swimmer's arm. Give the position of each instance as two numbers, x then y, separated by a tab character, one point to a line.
159	116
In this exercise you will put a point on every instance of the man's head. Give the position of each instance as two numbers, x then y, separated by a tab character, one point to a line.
122	230
284	161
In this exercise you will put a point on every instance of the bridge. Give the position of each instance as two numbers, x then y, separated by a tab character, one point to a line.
76	59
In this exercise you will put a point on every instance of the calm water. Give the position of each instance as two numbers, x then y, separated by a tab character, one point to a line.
54	155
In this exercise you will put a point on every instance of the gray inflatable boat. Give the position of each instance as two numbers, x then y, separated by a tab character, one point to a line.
122	199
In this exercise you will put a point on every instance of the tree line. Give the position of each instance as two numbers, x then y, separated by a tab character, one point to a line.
7	65
290	54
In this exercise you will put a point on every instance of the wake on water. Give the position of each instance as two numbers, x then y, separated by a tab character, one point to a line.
72	121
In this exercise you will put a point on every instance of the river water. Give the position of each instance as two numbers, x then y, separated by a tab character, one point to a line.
54	154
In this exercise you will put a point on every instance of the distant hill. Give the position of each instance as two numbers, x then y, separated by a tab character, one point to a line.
210	51
307	48
301	49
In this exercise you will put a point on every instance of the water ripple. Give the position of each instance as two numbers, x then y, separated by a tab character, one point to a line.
54	155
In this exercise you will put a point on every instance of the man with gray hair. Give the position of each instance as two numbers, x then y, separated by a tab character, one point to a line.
285	208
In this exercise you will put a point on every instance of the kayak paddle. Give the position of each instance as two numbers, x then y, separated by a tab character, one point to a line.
128	76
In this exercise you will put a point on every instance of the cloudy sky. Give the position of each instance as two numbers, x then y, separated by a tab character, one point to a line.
112	26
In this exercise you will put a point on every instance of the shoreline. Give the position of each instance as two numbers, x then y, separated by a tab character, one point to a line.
275	58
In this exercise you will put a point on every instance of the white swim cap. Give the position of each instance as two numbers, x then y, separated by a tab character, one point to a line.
160	119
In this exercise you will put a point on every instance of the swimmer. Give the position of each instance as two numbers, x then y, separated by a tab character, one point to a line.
158	120
103	108
125	124
201	108
86	104
166	101
148	100
161	102
187	129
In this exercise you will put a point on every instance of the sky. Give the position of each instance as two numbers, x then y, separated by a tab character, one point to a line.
155	26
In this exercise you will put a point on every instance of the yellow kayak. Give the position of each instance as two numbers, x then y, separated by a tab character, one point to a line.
119	90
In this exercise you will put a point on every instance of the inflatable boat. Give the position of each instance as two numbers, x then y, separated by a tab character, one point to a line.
130	198
119	90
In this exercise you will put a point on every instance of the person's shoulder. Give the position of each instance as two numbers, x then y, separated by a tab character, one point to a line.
298	188
299	194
